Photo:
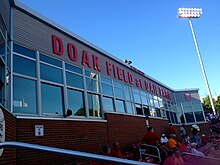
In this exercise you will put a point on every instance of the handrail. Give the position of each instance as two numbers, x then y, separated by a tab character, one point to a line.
206	157
71	153
144	153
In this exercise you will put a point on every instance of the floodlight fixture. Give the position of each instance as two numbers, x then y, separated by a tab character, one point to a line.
189	12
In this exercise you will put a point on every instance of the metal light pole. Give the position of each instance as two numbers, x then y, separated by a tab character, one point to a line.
196	13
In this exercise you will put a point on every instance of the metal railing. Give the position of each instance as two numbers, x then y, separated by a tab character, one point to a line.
143	151
70	153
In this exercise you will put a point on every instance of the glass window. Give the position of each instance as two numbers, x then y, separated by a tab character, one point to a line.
73	68
172	117
189	117
128	95
137	98
135	90
163	114
92	85
51	74
52	99
24	66
175	117
153	112
199	116
119	93
76	102
129	107
138	109
24	99
106	80
2	48
168	116
118	84
187	107
144	100
197	106
94	105
51	61
24	51
119	106
74	80
156	103
146	110
108	104
107	89
158	112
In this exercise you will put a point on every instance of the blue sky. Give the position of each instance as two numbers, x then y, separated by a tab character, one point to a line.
148	33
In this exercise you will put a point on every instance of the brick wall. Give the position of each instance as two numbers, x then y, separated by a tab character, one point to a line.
9	155
160	125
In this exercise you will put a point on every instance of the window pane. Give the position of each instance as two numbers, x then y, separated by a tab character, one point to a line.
197	106
158	112
172	117
73	68
137	98
74	80
106	80
128	95
199	116
153	112
76	102
107	89
129	107
51	61
146	110
144	100
119	93
118	84
168	116
51	74
94	105
24	51
108	104
138	109
52	99
24	66
175	117
119	106
24	100
135	90
189	117
92	85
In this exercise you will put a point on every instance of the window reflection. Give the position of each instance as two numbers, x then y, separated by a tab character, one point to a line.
51	74
74	80
119	106
137	98
92	85
76	102
24	66
189	117
107	89
199	116
108	104
129	107
52	99
94	105
119	93
24	99
24	51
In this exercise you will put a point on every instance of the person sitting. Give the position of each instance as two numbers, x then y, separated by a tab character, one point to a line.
163	139
172	143
116	151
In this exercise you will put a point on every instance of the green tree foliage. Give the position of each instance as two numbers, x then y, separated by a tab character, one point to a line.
207	104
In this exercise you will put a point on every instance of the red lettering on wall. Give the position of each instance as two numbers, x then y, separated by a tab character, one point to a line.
130	78
119	73
57	45
124	76
109	69
72	52
85	59
114	71
96	63
155	89
146	85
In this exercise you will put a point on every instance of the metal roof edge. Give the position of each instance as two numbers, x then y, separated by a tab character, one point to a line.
186	89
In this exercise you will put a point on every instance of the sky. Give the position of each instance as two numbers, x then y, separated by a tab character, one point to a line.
148	33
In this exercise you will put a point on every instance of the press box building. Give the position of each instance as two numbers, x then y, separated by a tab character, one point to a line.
81	96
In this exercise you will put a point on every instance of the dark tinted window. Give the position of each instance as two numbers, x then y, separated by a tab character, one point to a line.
52	99
24	51
24	66
51	74
74	80
50	60
24	99
189	117
73	68
199	116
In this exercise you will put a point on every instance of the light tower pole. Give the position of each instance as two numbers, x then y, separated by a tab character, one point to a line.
196	13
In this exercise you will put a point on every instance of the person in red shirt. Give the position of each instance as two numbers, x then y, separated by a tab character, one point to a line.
116	151
171	130
151	138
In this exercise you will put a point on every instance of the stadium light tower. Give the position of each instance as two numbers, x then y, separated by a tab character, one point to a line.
196	13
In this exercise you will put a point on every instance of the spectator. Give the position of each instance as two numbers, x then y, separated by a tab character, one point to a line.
195	151
183	130
116	151
171	130
172	143
163	139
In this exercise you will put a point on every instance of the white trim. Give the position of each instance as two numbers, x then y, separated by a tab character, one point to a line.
60	119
